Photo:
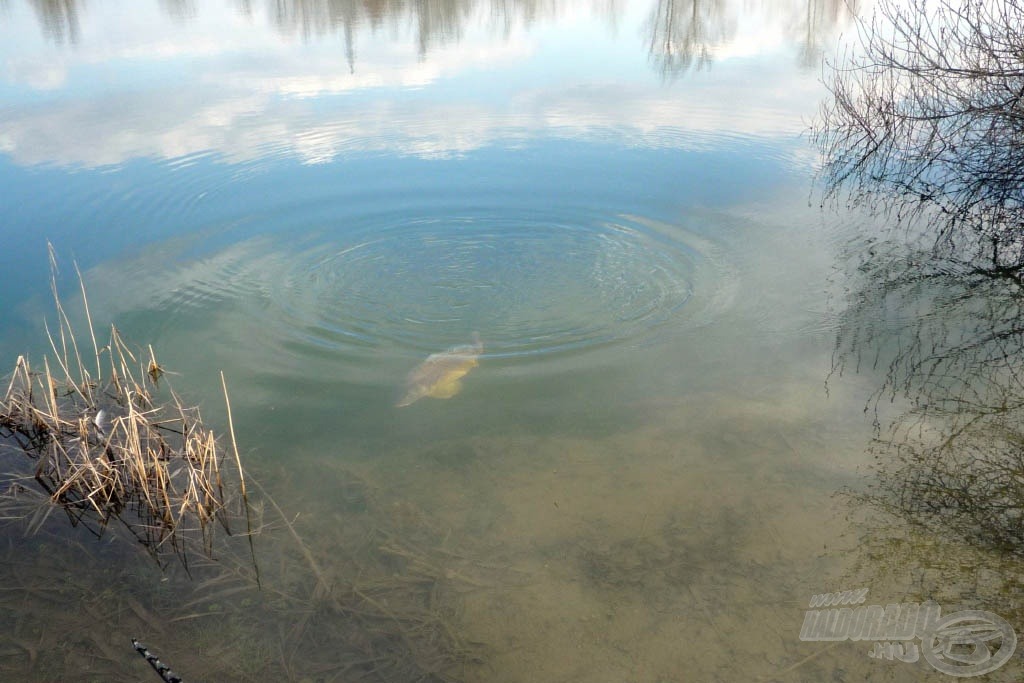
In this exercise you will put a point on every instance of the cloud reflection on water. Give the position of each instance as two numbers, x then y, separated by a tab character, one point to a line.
436	78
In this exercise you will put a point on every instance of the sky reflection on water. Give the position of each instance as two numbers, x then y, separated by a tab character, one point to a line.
151	120
97	85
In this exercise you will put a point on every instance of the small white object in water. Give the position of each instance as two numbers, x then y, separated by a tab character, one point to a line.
100	422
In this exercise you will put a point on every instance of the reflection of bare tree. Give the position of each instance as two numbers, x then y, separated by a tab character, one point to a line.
684	31
438	21
506	13
59	19
819	25
681	33
310	18
925	129
950	336
925	123
180	10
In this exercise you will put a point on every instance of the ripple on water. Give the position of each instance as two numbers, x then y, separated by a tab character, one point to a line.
389	285
530	286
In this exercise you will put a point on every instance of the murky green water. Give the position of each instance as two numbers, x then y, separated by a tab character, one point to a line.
638	480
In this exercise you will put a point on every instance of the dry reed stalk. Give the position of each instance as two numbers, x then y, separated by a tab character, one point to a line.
115	449
89	325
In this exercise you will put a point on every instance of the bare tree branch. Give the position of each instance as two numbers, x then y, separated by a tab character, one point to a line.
926	124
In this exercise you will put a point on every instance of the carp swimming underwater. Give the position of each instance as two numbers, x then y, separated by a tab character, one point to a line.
440	375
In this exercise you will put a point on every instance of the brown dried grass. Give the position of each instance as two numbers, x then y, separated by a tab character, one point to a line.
111	440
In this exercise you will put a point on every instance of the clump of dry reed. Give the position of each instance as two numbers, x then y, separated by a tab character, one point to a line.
110	443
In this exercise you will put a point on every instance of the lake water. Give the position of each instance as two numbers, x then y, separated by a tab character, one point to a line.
638	481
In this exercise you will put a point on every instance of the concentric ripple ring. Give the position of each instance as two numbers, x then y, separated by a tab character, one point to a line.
533	286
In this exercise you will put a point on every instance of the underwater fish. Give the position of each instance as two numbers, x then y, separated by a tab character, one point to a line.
440	375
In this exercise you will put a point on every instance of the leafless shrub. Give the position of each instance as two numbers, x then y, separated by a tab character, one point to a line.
926	124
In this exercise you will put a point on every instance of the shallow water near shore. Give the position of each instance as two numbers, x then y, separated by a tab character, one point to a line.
642	478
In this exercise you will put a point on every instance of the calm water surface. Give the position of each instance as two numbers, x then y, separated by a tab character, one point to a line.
637	481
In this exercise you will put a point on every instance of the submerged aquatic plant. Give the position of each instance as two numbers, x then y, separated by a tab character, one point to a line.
109	443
